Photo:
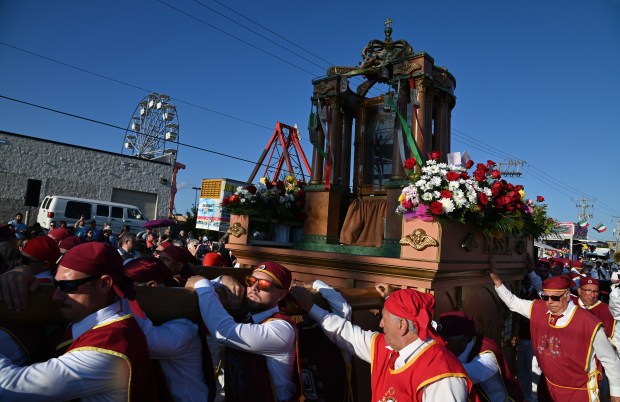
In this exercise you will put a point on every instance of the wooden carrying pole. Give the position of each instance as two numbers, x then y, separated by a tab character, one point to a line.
165	304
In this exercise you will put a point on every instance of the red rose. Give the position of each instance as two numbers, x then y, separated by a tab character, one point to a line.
482	167
269	185
496	188
446	194
410	164
435	155
464	175
251	189
436	208
280	185
540	198
490	163
496	174
224	202
234	198
453	176
469	164
479	175
407	204
483	199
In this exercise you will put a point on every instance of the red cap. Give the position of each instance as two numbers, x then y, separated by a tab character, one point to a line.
281	275
43	248
456	323
561	282
213	260
59	234
182	256
94	258
577	264
69	242
415	306
586	280
149	269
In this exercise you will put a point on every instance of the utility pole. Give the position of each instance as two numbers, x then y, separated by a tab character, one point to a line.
195	209
584	214
511	168
616	233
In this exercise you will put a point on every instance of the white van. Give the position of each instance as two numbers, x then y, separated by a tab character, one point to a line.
70	209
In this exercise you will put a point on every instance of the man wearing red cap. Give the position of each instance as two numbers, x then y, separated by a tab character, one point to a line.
566	339
175	344
178	261
481	356
588	299
261	361
408	361
588	294
39	256
106	357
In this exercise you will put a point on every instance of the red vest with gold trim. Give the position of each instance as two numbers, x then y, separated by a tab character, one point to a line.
601	311
564	353
247	377
407	383
123	338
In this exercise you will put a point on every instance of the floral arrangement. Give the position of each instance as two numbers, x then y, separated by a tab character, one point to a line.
440	191
282	200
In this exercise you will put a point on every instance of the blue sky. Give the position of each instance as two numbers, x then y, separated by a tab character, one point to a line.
536	80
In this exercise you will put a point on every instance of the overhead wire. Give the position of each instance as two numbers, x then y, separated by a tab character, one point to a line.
237	38
125	129
469	140
372	90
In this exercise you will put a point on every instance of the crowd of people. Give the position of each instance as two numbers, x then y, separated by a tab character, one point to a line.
149	242
246	348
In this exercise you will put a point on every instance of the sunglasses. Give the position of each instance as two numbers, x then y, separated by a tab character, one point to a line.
263	284
554	298
69	286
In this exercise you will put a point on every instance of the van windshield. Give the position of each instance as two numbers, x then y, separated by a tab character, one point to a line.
133	213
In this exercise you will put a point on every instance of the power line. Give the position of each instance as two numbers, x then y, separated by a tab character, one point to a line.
237	38
259	34
275	33
373	90
132	85
125	129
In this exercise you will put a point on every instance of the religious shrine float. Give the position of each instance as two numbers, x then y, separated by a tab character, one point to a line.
382	204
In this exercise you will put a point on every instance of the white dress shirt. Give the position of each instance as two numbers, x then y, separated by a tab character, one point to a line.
176	345
354	340
89	375
483	369
275	339
614	307
601	345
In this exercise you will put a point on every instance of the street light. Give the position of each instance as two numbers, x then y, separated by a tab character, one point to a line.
196	199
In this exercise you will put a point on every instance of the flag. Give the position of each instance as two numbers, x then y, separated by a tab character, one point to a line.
600	228
583	223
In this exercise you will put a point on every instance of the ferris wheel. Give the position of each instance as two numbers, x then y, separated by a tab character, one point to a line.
153	129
